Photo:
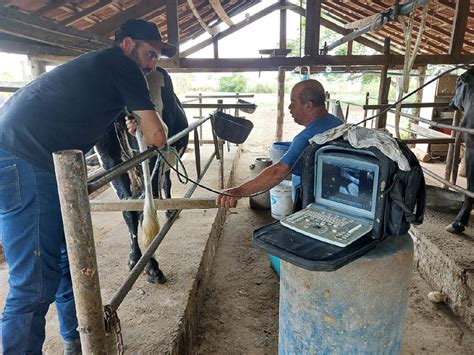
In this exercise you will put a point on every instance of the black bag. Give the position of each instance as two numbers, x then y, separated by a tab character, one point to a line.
401	199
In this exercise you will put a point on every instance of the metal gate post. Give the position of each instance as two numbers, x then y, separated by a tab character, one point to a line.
71	177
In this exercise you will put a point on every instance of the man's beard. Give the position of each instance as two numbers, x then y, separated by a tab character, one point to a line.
134	56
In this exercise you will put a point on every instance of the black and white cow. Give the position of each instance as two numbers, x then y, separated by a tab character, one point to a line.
464	100
118	145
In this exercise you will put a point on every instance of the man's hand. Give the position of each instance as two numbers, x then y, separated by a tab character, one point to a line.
229	201
132	124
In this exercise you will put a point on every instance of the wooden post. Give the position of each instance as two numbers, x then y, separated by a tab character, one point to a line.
38	67
172	23
220	147
281	104
313	18
200	116
215	45
384	86
367	95
450	157
283	25
71	177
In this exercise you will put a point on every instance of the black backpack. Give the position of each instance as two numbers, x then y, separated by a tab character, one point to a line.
401	199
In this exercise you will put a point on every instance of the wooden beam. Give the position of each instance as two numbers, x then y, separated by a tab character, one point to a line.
162	205
137	11
22	25
11	44
313	16
172	24
86	12
232	29
220	11
459	26
199	19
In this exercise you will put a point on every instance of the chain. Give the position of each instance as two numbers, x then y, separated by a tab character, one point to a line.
112	323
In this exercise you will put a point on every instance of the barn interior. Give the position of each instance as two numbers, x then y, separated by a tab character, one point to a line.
222	294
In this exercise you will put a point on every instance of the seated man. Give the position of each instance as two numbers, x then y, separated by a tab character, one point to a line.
308	109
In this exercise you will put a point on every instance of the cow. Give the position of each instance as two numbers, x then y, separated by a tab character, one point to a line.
118	145
464	101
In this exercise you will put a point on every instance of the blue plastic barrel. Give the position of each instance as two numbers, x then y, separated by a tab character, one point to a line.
278	150
357	309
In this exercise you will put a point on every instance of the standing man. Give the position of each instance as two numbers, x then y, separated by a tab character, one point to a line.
308	109
69	107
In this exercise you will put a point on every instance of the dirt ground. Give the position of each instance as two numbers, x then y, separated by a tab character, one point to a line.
240	312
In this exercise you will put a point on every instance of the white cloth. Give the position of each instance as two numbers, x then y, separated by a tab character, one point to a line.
361	137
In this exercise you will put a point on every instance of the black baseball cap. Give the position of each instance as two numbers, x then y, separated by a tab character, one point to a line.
145	31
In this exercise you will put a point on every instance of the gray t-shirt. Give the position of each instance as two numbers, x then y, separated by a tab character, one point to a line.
72	106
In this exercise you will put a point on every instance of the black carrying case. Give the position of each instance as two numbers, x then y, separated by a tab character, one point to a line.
312	254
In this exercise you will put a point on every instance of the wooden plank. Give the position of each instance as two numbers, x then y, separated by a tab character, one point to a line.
86	12
459	26
220	11
19	24
138	11
162	205
232	29
311	39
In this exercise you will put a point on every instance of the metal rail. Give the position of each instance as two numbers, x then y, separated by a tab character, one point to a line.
447	183
122	168
436	124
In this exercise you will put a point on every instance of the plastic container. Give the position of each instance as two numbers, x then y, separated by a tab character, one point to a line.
262	201
280	199
230	128
278	150
275	262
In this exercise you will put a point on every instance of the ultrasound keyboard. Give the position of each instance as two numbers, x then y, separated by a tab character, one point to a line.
327	226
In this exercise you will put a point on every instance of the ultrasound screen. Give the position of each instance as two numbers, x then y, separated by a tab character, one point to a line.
347	184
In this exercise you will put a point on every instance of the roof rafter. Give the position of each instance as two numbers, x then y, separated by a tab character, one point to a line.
86	12
137	11
19	24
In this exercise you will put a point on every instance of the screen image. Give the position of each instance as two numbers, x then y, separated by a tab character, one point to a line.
347	184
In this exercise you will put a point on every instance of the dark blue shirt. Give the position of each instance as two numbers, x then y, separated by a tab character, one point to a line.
71	106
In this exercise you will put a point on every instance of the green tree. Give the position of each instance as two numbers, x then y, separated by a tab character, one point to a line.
233	83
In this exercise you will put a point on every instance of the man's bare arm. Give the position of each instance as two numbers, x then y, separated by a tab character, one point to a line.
155	131
268	178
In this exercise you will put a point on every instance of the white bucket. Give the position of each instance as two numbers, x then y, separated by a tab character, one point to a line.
281	202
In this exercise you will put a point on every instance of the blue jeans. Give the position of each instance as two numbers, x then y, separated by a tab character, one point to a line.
32	236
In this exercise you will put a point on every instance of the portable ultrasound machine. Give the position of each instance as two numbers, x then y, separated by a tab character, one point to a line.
345	196
342	209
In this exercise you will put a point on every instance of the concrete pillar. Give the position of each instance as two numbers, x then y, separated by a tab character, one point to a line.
358	309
